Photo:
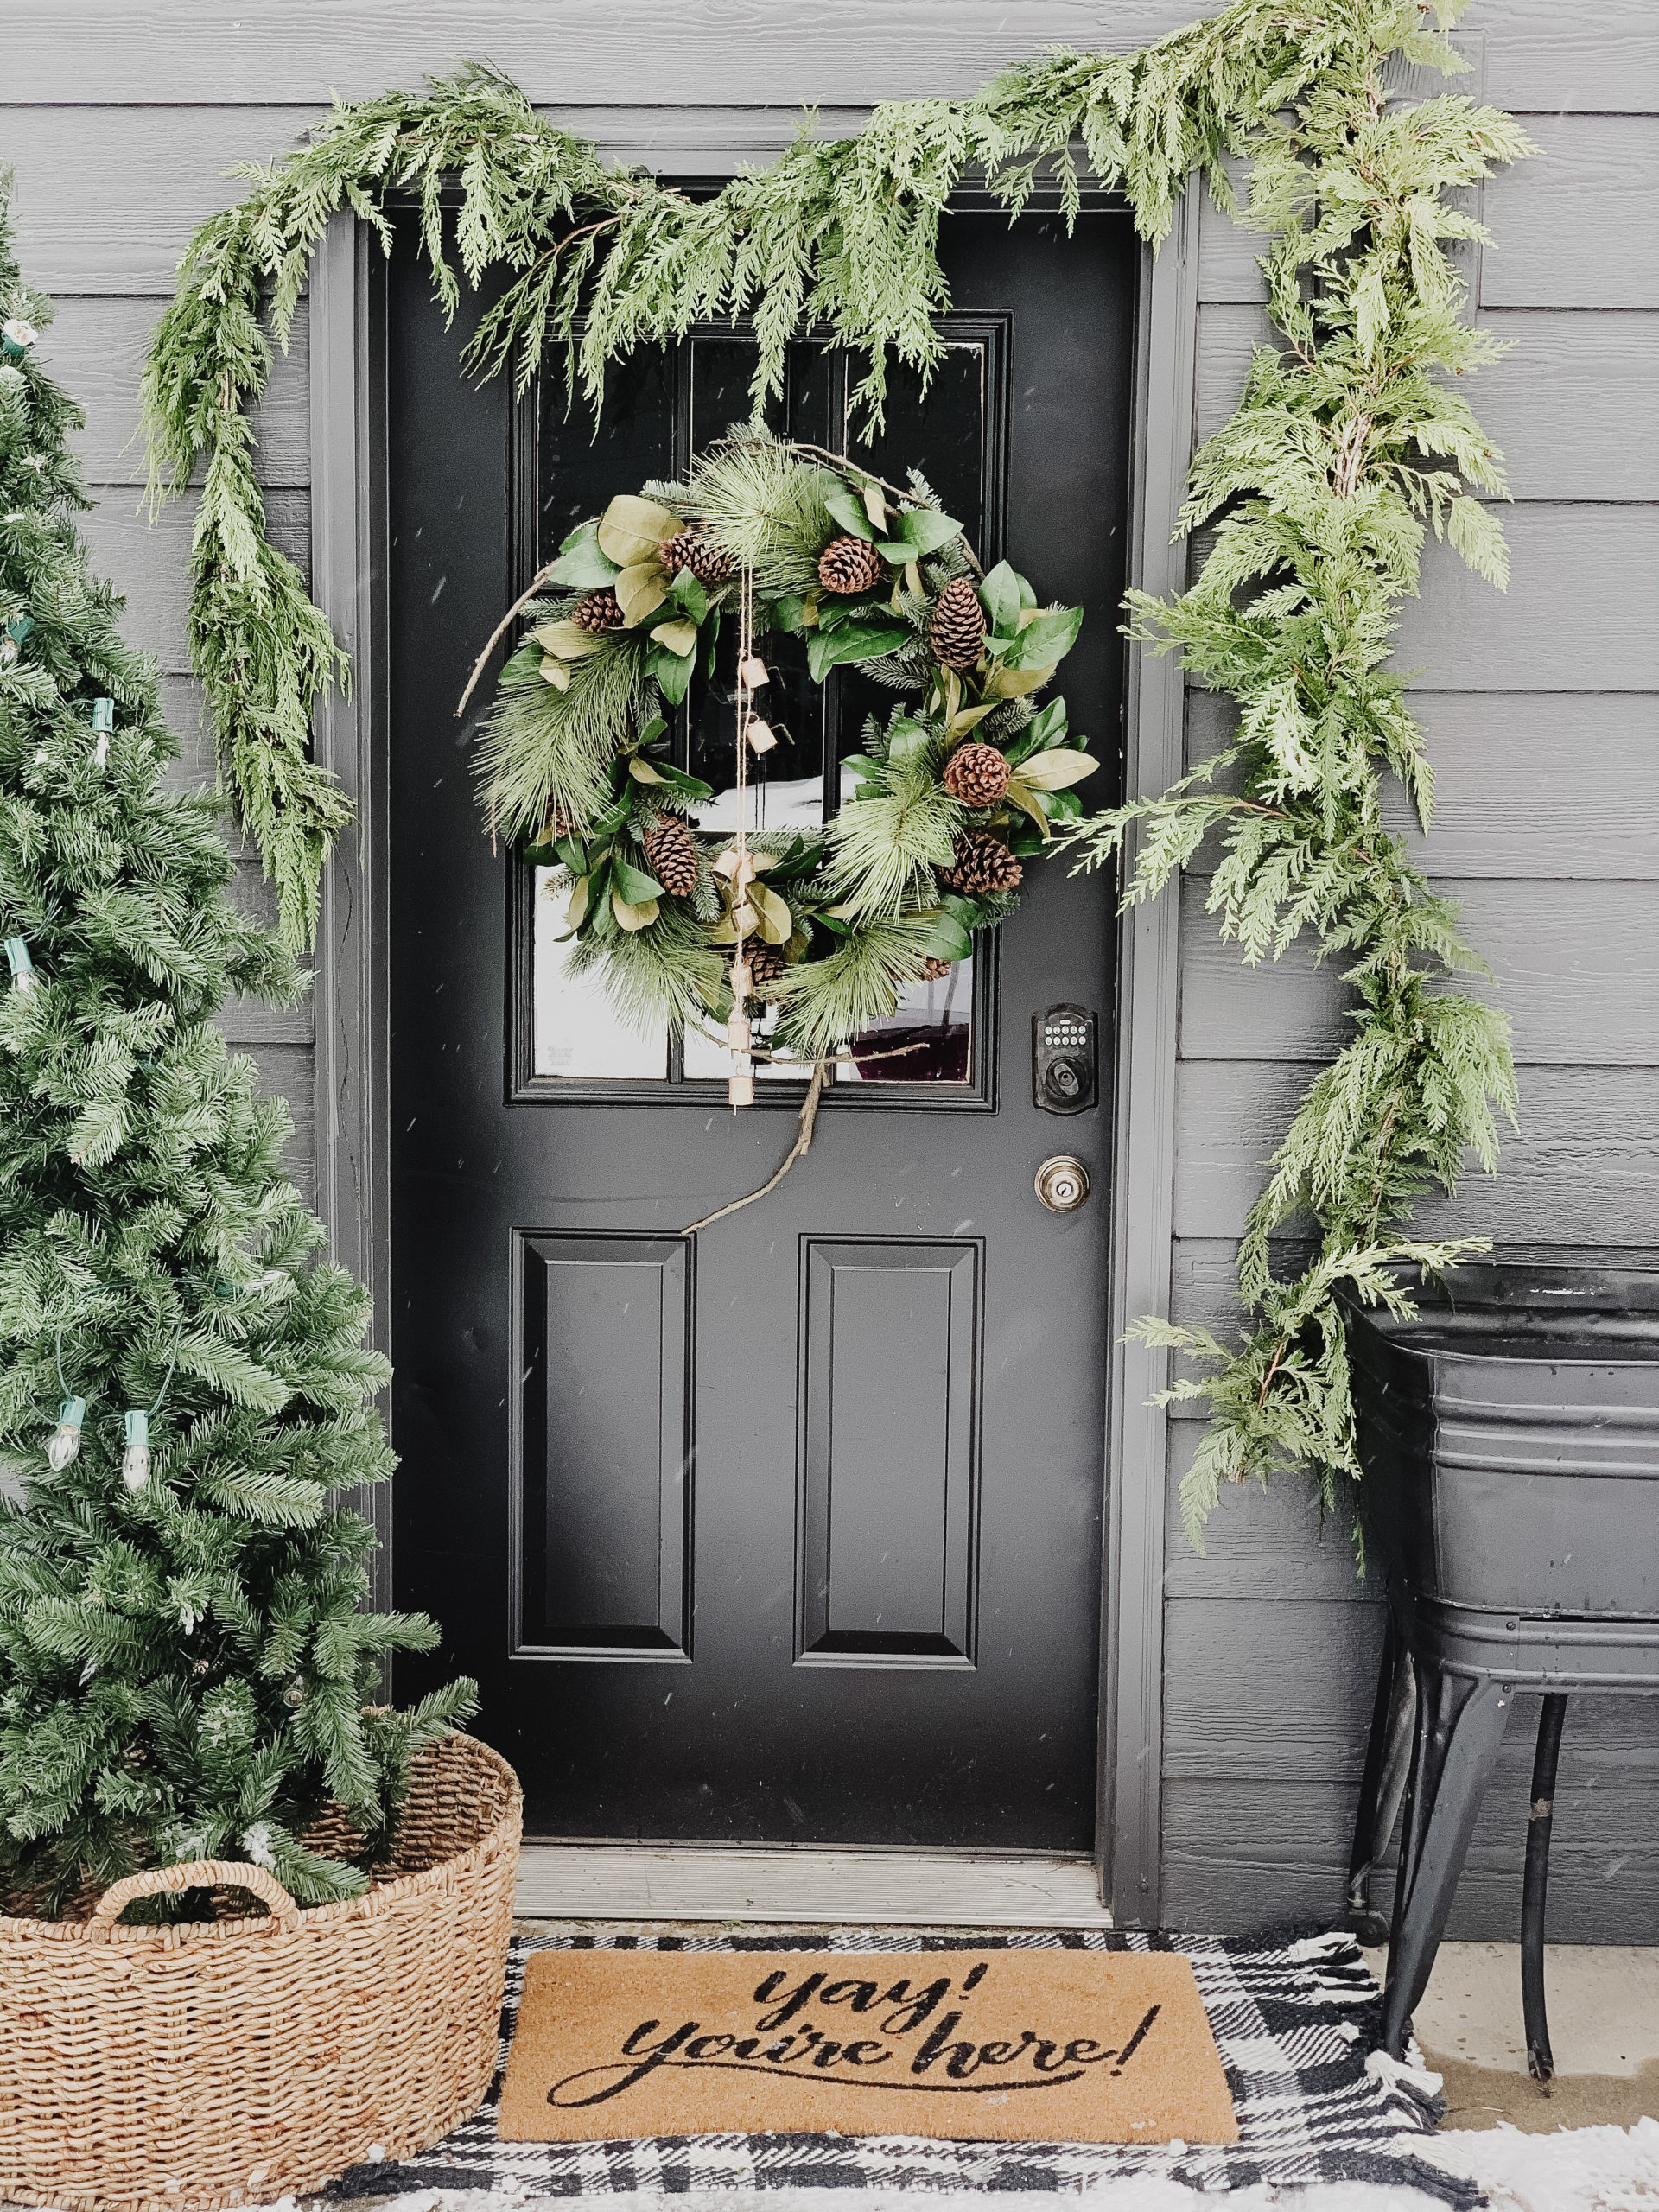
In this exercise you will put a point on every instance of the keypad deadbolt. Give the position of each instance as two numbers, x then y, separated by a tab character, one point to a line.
1065	1060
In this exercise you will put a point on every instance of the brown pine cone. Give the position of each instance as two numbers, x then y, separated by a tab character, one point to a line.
982	863
850	565
672	851
956	633
556	824
707	559
766	962
933	969
598	610
977	775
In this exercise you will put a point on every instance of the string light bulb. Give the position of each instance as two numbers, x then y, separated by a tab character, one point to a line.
103	724
135	1463
64	1442
23	977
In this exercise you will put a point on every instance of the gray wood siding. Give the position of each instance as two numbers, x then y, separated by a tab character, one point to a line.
1539	707
1540	711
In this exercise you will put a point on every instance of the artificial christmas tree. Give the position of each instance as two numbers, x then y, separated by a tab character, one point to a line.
184	1388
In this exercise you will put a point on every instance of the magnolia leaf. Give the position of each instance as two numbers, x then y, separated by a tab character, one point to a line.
629	917
640	590
1025	799
675	779
1053	771
874	505
1045	638
635	885
921	530
580	565
847	509
946	940
906	737
912	582
679	636
1006	683
777	923
631	529
672	672
685	591
567	639
853	641
999	594
556	673
967	717
642	771
575	910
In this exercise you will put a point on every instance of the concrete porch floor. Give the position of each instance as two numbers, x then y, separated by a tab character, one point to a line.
1604	2031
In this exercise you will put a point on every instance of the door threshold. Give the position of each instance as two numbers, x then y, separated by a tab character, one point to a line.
796	1885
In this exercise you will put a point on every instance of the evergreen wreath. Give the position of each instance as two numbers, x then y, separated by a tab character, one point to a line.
953	793
1347	448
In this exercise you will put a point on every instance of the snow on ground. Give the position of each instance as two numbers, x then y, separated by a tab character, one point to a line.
1581	2170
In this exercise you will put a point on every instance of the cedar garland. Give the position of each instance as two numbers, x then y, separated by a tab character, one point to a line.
1347	449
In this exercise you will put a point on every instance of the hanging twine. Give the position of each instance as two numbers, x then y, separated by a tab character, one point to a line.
740	1085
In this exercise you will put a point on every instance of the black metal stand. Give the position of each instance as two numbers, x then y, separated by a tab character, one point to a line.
1387	1757
1541	2062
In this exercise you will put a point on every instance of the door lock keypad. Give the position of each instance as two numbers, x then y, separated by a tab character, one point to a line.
1065	1076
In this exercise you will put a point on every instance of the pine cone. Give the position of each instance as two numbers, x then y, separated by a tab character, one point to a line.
707	559
598	610
957	632
672	851
982	863
933	969
766	961
850	565
556	824
977	775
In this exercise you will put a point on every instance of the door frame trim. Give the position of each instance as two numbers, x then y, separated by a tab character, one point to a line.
348	533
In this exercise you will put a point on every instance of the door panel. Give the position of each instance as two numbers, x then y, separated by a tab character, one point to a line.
888	1466
790	1531
600	1469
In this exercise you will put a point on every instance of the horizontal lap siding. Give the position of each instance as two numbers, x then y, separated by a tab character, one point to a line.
105	208
1539	710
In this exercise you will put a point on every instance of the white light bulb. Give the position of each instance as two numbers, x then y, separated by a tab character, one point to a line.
135	1464
64	1440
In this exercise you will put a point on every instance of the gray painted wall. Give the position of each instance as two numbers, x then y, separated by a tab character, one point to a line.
1540	707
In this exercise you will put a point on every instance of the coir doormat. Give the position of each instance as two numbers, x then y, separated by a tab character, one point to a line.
1296	2024
998	2046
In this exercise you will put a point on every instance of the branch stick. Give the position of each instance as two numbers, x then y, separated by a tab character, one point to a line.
802	1141
501	630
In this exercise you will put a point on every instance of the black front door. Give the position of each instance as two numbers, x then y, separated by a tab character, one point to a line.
790	1530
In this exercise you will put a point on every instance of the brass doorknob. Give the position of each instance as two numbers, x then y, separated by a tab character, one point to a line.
1063	1183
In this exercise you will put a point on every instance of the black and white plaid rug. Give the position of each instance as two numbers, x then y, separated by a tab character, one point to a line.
1296	2024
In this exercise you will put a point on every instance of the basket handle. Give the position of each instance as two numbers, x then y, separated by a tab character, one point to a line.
194	1874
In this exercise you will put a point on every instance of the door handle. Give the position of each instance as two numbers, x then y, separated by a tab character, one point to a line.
1063	1183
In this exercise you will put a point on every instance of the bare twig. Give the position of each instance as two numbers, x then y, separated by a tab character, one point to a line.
802	1140
500	631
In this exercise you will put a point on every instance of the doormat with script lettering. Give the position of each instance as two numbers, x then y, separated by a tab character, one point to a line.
997	2045
1295	2030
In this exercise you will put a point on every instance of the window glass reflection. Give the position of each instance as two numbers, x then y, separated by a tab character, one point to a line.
577	1030
928	1036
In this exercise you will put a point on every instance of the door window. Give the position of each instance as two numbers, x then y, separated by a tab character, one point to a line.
659	409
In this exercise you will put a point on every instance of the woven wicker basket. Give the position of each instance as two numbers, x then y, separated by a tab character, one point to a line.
230	2062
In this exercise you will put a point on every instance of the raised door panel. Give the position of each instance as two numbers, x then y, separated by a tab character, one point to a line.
889	1449
604	1450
